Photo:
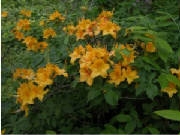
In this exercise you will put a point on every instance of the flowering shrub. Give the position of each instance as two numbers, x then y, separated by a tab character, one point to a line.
93	74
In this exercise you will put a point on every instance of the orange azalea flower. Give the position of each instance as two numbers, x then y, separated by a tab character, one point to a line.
23	24
56	15
127	52
31	43
24	74
176	71
42	45
105	15
86	27
80	34
81	28
87	59
99	68
108	27
45	75
150	47
56	70
130	74
70	29
27	92
4	13
85	75
25	12
77	53
93	62
170	89
49	33
19	35
117	75
91	29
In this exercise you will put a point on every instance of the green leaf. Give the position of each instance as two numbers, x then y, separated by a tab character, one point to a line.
137	28
50	132
164	49
111	97
142	37
173	79
153	130
109	129
152	91
117	54
169	114
151	62
130	126
122	118
93	93
66	40
163	81
125	52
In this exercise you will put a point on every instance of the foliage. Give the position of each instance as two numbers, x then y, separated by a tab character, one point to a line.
90	66
169	114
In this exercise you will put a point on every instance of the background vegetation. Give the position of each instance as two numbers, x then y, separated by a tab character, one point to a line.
75	107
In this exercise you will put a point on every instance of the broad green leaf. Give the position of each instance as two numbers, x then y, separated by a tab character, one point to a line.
111	97
163	48
173	79
93	93
163	81
122	118
169	114
152	91
125	52
153	130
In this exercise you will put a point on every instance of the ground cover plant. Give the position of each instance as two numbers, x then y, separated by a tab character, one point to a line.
90	66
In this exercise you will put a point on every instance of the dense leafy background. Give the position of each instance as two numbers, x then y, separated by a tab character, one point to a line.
73	107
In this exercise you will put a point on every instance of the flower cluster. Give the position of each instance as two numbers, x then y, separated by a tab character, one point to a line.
35	87
23	24
25	12
86	27
123	70
93	62
56	15
31	42
171	88
49	32
96	62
